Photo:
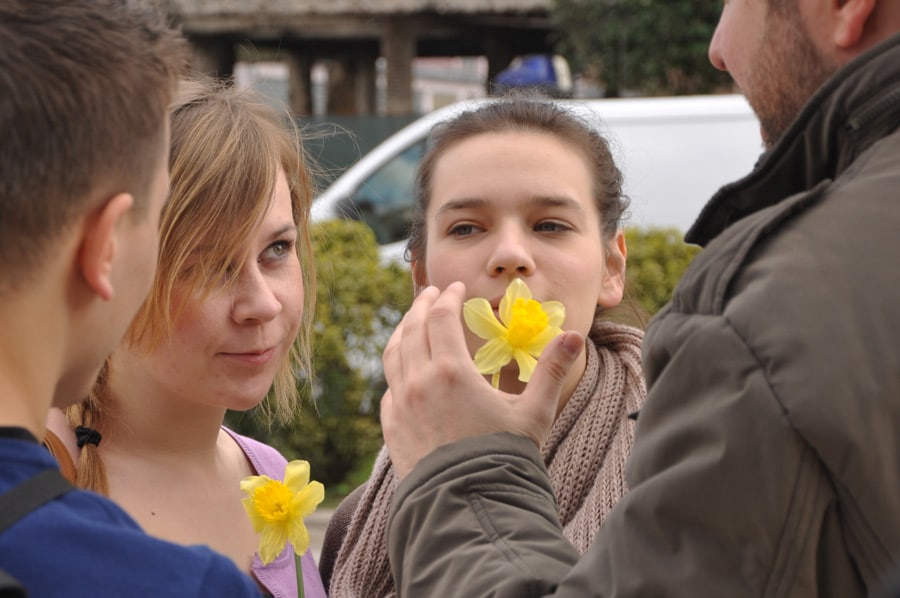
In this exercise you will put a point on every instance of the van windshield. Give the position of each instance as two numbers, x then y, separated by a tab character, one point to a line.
384	200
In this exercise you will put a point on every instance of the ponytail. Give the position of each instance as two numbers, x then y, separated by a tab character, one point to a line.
85	419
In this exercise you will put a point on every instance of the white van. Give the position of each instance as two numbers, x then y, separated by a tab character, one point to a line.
674	152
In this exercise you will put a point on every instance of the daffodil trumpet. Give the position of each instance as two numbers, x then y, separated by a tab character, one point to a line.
276	510
524	329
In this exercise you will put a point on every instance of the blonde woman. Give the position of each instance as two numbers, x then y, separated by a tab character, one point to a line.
226	321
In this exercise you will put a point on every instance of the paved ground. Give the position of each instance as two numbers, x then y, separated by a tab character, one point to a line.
316	524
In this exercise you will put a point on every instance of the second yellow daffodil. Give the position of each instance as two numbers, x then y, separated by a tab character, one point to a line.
525	327
277	509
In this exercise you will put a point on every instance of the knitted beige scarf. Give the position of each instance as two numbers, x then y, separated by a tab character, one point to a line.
585	455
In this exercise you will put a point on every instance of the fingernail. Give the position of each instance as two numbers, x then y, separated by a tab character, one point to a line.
572	344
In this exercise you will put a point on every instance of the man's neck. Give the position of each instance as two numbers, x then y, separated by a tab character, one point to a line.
19	409
25	397
32	351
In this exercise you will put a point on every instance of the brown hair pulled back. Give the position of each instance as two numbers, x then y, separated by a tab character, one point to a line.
521	114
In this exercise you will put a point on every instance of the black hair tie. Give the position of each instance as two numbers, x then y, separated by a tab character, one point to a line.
87	435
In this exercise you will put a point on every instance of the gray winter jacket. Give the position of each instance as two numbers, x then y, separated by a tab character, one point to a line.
767	456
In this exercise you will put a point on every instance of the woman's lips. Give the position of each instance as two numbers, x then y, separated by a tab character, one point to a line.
252	357
495	305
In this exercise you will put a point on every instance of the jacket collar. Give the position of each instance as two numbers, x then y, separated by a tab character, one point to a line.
858	106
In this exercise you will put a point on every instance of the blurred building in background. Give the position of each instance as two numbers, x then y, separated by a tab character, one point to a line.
358	57
436	82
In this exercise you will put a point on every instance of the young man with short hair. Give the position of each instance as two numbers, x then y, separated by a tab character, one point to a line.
84	92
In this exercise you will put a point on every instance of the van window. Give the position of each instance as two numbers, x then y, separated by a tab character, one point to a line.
384	200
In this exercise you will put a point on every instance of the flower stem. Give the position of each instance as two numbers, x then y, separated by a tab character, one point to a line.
299	567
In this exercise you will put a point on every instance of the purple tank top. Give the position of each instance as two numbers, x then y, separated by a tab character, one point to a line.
279	577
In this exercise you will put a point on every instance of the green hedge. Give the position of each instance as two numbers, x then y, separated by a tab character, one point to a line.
657	257
358	303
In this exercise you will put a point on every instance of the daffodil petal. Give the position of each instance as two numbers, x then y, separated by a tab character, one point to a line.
251	483
526	363
299	536
491	358
481	320
255	520
556	313
296	475
308	499
517	289
495	379
272	539
543	338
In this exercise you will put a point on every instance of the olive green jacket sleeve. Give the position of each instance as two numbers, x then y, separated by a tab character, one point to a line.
459	516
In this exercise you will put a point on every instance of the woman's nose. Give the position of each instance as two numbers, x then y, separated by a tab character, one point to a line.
254	299
511	254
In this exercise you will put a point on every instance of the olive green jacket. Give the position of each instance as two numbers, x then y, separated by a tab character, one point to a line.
767	456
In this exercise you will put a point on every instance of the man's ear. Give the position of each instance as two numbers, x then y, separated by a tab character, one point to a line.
100	243
614	278
851	17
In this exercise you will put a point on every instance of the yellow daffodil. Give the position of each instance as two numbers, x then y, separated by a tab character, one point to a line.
524	329
277	509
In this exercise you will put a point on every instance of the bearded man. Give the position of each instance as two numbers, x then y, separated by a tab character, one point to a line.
766	460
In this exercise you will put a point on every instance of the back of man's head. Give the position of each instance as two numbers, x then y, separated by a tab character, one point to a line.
84	90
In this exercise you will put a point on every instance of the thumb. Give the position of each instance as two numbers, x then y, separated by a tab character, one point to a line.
542	394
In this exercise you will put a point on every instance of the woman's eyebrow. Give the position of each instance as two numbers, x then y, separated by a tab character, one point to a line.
283	230
461	204
556	201
559	201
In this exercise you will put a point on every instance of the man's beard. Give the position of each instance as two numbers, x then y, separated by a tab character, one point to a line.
787	73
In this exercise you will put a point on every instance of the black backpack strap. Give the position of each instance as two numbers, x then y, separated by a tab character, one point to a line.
31	494
20	501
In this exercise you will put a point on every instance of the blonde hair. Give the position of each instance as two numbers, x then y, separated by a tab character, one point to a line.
227	148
